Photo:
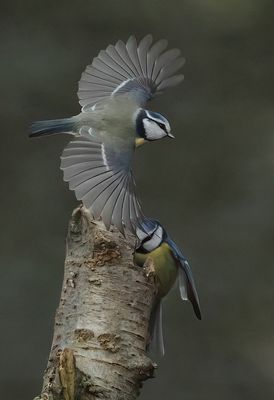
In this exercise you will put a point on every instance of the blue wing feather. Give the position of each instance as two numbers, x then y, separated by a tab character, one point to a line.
187	277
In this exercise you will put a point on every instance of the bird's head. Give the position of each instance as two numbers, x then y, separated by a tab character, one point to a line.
150	236
151	125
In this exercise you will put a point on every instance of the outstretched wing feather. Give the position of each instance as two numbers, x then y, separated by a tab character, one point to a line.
87	175
138	71
76	169
105	192
111	204
92	72
131	46
114	63
116	218
152	55
172	81
164	59
170	69
111	70
101	177
142	50
123	53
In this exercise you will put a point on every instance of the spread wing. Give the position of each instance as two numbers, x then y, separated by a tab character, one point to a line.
98	169
186	281
138	70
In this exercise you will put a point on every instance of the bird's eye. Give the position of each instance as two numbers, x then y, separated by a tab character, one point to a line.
162	126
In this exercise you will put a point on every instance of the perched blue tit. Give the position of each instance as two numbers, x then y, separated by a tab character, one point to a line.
113	92
168	262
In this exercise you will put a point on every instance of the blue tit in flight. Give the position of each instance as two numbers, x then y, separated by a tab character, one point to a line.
168	262
113	92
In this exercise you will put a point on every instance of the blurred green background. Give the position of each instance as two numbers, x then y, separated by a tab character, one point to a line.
212	187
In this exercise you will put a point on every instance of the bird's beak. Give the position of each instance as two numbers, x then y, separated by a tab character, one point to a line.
171	136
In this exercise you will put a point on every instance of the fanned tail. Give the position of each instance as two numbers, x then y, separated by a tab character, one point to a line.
51	127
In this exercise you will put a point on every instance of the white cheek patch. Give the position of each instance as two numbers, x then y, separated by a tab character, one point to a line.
141	235
155	240
152	130
161	121
148	128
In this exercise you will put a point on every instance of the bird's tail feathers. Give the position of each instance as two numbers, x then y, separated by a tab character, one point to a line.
51	127
156	344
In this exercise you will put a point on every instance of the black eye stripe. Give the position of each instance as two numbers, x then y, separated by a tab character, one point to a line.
148	237
162	126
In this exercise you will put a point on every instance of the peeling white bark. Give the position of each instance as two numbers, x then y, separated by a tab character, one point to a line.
101	325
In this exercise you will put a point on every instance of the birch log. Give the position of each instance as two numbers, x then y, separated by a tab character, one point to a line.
101	324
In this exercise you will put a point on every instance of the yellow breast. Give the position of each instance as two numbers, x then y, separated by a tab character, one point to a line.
165	267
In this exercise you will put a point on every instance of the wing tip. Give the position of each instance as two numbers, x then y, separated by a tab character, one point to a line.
197	311
193	298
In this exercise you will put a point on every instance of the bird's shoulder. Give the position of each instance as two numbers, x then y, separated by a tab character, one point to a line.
115	118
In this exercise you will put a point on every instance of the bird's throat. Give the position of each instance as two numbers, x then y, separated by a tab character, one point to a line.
139	142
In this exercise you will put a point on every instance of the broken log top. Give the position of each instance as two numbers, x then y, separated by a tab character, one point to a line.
101	325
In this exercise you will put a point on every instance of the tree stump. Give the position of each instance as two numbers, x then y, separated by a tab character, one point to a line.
101	324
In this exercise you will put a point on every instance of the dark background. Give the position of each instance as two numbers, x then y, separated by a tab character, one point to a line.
212	187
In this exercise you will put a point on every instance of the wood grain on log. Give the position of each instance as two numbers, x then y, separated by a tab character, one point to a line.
100	334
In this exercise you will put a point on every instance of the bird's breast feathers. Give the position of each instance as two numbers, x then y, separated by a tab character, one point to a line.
164	264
